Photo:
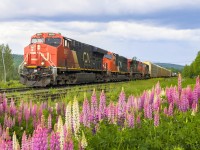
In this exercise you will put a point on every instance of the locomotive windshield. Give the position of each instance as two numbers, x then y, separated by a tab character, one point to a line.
53	41
37	40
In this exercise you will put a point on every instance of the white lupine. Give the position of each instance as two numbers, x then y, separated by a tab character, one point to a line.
68	117
15	143
76	117
61	132
84	143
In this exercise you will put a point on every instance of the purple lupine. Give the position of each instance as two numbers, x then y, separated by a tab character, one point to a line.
189	95
34	110
195	95
156	119
86	113
151	96
102	105
39	139
111	112
131	120
179	84
69	145
55	141
169	94
184	103
170	109
94	108
121	109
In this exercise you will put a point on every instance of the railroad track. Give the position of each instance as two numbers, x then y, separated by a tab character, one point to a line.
43	94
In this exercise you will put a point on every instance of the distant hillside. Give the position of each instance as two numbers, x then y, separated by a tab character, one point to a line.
169	66
17	59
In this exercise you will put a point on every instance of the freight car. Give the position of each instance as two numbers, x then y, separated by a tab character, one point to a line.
158	71
53	59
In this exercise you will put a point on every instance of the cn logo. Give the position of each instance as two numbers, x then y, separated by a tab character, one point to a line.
86	57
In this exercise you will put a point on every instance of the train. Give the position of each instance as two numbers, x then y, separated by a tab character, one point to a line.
53	59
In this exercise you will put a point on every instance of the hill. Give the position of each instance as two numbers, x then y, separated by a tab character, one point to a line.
17	59
170	66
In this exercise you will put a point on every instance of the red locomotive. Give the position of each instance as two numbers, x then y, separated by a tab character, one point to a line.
52	59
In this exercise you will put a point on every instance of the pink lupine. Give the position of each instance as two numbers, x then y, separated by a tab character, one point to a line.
156	119
25	145
39	139
184	103
179	84
170	109
111	112
189	95
158	88
12	108
156	103
151	97
94	108
4	103
54	141
102	105
130	103
86	113
165	111
121	109
195	95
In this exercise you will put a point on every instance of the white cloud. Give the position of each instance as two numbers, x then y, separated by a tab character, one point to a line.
123	38
49	8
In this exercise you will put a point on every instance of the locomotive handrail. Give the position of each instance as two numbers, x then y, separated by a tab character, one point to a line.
22	64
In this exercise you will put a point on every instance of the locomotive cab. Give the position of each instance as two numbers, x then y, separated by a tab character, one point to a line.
40	59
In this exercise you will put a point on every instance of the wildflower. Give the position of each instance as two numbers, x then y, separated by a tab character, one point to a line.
102	105
83	141
156	119
61	132
68	117
86	112
76	117
94	107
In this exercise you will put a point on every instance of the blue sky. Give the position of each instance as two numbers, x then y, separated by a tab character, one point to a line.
151	30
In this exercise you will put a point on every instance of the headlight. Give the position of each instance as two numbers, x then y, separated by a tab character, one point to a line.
42	63
25	63
38	47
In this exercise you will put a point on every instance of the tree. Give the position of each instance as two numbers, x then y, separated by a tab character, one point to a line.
8	61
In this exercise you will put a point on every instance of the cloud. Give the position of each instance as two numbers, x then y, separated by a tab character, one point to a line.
145	41
72	8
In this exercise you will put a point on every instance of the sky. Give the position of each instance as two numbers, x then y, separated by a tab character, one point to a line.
151	30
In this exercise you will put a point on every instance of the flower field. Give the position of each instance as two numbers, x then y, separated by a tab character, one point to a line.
157	119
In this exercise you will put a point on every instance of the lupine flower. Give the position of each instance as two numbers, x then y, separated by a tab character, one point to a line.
111	112
121	109
156	119
40	138
54	141
60	130
179	84
25	145
170	109
102	105
165	111
184	104
94	107
83	141
130	119
49	122
76	121
86	112
68	117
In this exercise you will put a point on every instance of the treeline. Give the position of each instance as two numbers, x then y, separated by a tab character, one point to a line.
193	69
8	70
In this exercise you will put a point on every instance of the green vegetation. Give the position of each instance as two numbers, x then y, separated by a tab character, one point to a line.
193	69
